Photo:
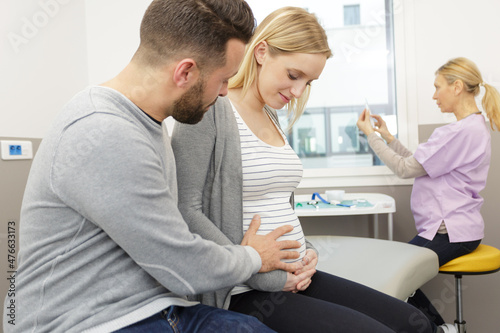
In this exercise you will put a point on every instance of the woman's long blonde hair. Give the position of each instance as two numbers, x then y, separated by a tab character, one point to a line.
465	70
286	30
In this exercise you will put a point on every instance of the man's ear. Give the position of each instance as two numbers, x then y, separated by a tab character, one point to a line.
260	52
185	72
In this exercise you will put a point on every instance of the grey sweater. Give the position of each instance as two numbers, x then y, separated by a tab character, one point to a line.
102	242
209	172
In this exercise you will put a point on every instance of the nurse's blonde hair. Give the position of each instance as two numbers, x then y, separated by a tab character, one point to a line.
286	30
465	70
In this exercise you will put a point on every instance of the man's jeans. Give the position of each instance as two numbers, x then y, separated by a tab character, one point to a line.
197	319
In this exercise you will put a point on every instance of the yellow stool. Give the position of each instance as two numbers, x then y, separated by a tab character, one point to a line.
483	260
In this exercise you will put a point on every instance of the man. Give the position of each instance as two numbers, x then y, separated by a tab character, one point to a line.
103	245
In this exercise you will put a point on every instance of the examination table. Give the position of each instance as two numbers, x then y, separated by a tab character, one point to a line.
395	268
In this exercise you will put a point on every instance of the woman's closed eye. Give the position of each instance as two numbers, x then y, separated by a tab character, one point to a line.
297	77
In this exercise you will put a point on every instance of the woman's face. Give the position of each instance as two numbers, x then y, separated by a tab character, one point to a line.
282	78
445	94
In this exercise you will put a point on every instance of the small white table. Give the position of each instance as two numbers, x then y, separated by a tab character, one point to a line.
381	204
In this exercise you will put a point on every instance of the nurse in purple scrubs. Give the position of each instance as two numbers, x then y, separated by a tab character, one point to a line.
451	168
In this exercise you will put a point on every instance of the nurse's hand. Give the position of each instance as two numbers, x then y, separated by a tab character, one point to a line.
364	123
381	127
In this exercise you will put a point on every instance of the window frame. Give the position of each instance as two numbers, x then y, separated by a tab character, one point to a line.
405	78
352	6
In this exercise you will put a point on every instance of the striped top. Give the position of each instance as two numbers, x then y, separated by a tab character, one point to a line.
270	175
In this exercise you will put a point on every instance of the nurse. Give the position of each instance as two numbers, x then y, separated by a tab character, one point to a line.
451	168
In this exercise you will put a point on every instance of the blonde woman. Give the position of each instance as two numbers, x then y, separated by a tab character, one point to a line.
451	168
237	162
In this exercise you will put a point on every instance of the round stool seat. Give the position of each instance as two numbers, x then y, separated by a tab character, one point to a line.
483	260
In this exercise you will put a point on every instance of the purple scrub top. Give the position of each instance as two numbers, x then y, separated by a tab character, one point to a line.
456	159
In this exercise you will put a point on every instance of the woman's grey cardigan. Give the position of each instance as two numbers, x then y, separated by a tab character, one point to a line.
209	174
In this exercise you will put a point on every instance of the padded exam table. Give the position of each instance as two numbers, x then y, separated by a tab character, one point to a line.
394	268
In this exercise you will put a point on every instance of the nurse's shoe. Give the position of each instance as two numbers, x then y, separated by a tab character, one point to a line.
447	328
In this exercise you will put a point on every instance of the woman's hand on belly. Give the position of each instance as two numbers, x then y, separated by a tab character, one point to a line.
295	283
309	263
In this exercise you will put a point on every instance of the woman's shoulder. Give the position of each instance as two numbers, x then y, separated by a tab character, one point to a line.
272	112
221	111
472	125
222	102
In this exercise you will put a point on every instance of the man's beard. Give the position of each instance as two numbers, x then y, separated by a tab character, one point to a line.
189	108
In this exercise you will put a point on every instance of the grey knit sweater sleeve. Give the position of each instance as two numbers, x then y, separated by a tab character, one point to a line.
102	242
397	158
398	147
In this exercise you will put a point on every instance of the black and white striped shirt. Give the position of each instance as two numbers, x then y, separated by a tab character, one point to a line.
270	175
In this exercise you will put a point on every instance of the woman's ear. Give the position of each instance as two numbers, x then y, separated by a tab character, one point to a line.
260	52
458	85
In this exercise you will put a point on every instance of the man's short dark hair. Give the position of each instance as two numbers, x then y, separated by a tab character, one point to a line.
198	29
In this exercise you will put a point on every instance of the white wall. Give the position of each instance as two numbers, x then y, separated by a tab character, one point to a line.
447	29
112	35
51	49
43	62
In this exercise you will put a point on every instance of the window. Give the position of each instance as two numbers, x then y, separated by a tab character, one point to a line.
332	149
351	15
